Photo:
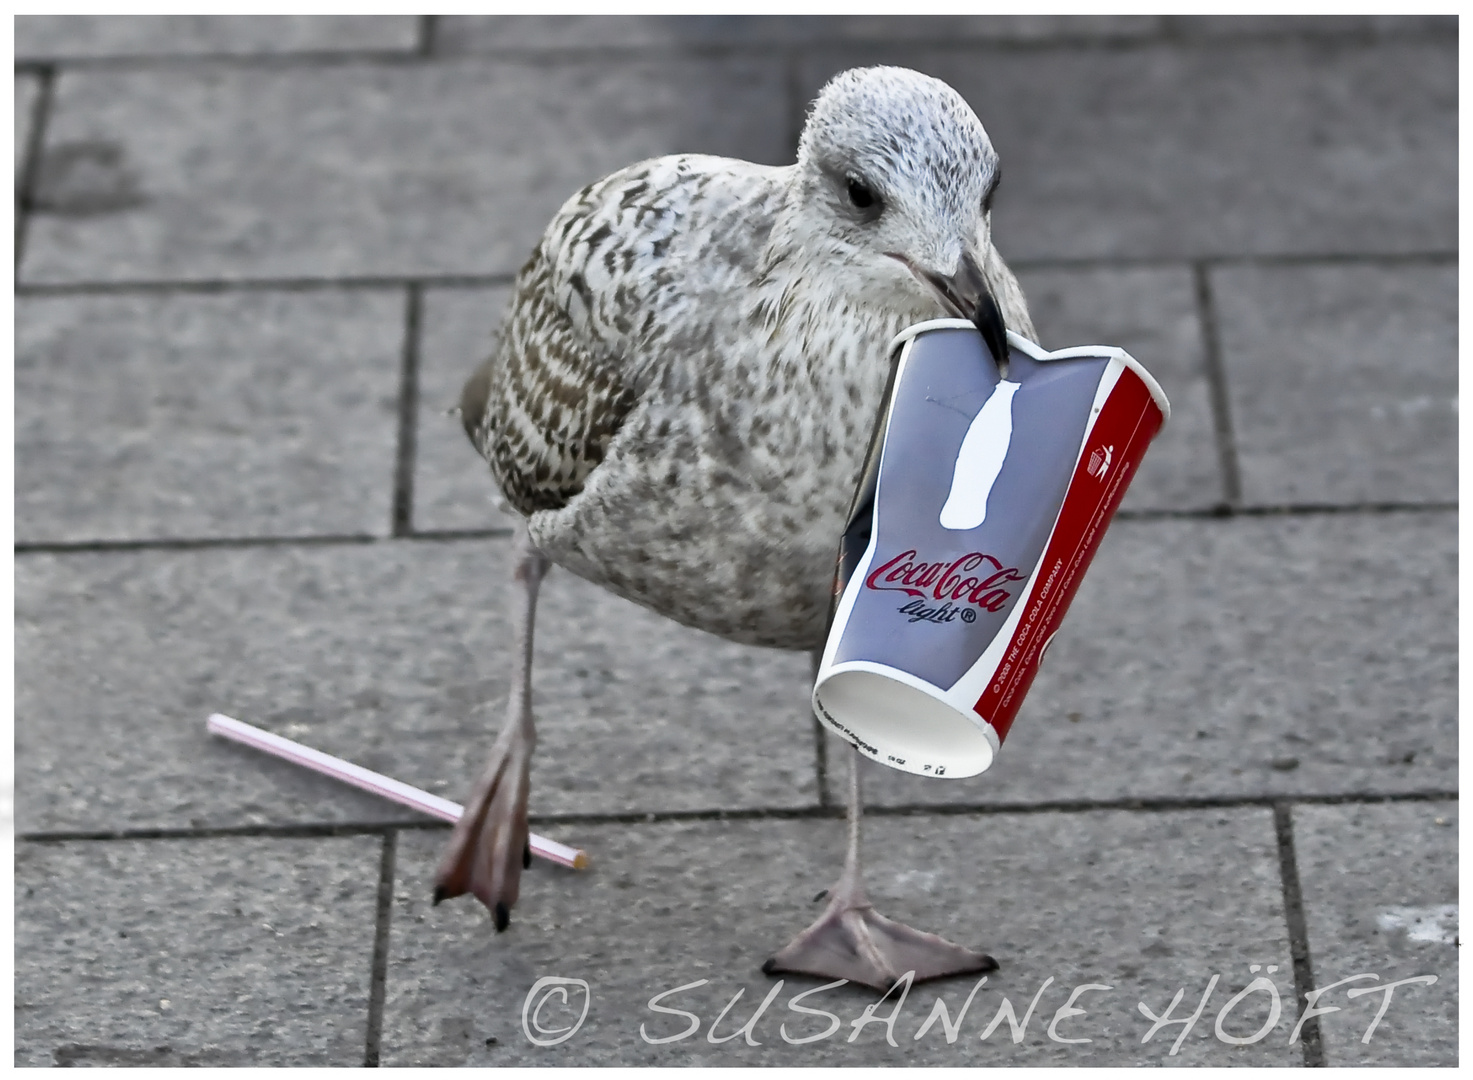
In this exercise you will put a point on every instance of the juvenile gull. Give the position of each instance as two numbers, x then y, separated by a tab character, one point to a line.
682	399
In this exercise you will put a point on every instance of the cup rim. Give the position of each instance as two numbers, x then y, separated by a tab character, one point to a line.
1035	351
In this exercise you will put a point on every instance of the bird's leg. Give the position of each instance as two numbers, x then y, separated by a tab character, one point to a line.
488	849
852	941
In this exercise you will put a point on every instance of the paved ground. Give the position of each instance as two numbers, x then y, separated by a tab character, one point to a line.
259	254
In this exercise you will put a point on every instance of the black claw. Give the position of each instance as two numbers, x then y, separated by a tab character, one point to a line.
769	966
527	856
820	896
501	917
441	893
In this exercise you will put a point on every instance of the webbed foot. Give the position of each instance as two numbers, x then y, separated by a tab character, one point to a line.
488	849
851	940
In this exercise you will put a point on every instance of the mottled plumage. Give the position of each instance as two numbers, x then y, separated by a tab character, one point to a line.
686	381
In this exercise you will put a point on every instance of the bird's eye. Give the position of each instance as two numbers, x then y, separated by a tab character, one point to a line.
860	194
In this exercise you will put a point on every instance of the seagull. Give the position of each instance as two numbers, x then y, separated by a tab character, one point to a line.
681	402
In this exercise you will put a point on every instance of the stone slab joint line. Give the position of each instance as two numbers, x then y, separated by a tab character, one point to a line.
1169	34
436	536
379	972
403	501
211	286
503	278
1227	452
1294	918
25	188
427	30
783	813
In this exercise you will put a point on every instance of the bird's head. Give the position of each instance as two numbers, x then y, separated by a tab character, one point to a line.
895	178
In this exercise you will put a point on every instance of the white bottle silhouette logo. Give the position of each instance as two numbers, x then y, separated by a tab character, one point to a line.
979	461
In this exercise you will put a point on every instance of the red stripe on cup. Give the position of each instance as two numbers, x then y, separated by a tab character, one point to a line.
1117	442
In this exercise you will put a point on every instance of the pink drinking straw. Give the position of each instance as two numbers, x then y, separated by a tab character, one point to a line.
379	784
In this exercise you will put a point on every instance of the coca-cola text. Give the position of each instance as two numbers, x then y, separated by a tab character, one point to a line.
948	581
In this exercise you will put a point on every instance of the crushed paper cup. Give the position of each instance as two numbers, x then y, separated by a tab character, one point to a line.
983	501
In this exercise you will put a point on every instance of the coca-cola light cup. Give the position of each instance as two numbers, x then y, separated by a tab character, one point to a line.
986	493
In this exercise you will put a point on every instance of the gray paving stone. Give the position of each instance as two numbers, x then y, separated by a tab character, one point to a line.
413	169
488	33
1380	890
1152	314
1329	25
73	36
1343	381
1236	148
1145	904
453	488
394	655
220	951
238	414
26	89
1251	656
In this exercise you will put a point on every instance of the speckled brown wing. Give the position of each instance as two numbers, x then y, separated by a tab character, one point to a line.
604	306
542	410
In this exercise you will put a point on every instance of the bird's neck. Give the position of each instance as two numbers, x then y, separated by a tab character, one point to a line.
808	293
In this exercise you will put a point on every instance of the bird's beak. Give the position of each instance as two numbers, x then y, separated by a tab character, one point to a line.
967	295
